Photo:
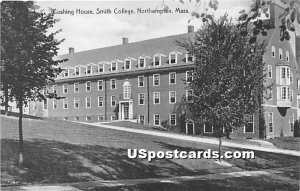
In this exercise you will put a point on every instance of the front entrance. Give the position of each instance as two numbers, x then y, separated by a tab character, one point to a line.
125	110
190	128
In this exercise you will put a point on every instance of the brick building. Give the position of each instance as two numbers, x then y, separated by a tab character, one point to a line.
146	81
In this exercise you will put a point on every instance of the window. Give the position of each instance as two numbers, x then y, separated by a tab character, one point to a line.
77	71
100	85
142	62
65	88
89	69
142	119
100	68
65	103
270	93
249	126
113	101
55	89
172	58
76	102
127	64
285	93
156	119
287	56
270	71
141	81
291	78
189	57
113	84
54	104
156	80
172	97
87	118
45	105
141	99
156	60
291	122
66	73
100	118
45	91
189	95
76	87
270	122
113	118
88	102
208	128
273	51
280	53
100	101
88	86
127	90
189	76
113	66
172	119
156	97
172	78
76	118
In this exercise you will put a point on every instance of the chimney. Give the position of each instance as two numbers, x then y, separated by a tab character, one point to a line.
71	50
190	29
125	40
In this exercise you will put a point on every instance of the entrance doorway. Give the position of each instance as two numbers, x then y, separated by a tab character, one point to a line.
125	110
190	128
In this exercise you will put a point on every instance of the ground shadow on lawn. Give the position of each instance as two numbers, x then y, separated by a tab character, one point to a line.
56	162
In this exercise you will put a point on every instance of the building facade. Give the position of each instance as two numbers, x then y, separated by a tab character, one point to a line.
147	81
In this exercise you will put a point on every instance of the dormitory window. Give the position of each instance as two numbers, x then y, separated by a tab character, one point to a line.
88	118
55	89
66	73
269	71
172	58
76	102
189	76
270	93
208	128
273	51
156	79
249	126
141	62
65	103
172	97
100	85
189	57
156	60
280	53
172	119
141	119
100	118
54	104
156	119
291	122
89	69
127	91
189	95
156	97
285	93
113	101
100	101
141	99
127	64
141	81
113	66
287	56
65	88
77	71
113	84
45	105
88	102
172	78
88	86
76	87
270	121
100	68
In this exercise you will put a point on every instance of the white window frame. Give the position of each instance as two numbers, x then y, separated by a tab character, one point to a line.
270	71
273	52
154	79
285	91
186	76
111	101
65	102
154	93
86	102
65	87
158	119
170	56
170	119
272	121
99	67
76	99
252	125
111	66
170	102
76	83
140	81
127	91
212	129
125	64
68	72
187	57
159	56
139	117
86	69
280	54
287	56
170	78
187	94
99	101
111	80
98	83
139	96
75	71
87	118
139	62
54	88
86	86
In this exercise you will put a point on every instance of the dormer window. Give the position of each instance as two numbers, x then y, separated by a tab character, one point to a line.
88	69
189	57
156	60
142	62
66	73
127	65
113	66
77	71
100	68
172	58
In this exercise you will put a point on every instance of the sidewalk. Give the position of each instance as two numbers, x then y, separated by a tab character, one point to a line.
262	147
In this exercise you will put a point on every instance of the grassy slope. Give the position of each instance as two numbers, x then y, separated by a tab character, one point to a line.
61	151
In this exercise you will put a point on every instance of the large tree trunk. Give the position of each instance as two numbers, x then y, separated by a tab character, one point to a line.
20	102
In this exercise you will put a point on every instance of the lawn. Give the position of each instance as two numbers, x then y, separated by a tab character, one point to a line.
292	143
62	152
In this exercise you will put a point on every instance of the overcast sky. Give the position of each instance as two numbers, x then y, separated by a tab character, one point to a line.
85	32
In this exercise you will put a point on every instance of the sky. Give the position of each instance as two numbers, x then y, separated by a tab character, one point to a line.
91	31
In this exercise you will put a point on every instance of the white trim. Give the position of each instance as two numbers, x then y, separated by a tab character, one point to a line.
170	78
86	102
170	97
99	117
65	101
115	83
111	101
212	129
79	70
157	55
142	57
158	79
186	126
99	101
53	103
65	88
186	76
270	71
158	120
287	56
86	118
86	86
100	64
271	122
186	93
86	69
54	89
75	102
170	56
280	54
75	88
101	85
186	57
170	119
139	81
111	66
139	99
154	98
139	119
252	125
125	64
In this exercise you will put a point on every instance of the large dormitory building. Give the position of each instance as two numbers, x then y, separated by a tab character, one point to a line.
146	81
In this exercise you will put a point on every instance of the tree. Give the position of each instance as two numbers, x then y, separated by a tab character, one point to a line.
27	48
228	76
